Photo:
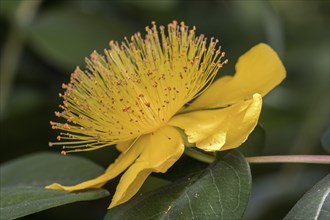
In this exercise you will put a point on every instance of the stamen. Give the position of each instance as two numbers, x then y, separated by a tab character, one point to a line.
135	87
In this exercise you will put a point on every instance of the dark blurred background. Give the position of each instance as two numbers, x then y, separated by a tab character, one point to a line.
42	41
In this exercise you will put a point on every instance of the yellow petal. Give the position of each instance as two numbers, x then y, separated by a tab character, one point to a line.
123	146
257	71
161	150
220	129
124	160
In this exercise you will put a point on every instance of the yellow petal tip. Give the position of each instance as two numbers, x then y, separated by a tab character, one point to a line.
55	186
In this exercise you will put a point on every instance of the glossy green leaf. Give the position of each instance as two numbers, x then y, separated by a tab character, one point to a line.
23	183
66	36
220	191
152	183
315	204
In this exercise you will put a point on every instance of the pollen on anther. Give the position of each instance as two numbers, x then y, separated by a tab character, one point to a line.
66	126
126	109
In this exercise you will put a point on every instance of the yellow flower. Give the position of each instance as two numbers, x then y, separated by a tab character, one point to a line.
136	95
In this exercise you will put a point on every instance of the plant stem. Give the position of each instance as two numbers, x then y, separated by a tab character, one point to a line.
313	159
200	156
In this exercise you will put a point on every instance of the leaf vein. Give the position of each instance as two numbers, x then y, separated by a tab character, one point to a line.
218	192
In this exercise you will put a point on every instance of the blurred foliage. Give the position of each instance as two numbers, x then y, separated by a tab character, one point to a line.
23	194
42	41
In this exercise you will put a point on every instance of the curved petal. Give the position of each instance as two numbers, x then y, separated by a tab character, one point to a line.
221	129
123	146
257	71
162	149
124	160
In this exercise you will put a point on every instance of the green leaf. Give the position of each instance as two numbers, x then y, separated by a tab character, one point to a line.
152	183
220	191
65	36
315	204
23	183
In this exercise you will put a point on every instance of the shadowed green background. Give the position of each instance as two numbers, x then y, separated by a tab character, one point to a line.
42	42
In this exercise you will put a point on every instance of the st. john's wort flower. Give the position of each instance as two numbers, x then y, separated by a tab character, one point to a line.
136	95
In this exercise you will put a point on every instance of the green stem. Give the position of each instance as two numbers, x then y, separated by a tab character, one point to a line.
311	159
314	159
203	157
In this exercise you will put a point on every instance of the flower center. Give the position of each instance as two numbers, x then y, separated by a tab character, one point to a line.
135	87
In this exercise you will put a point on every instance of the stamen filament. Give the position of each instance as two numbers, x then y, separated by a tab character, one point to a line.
136	87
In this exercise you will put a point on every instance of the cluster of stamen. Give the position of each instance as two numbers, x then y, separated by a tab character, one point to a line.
135	87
